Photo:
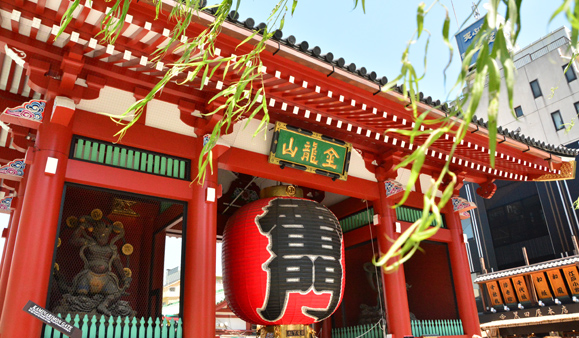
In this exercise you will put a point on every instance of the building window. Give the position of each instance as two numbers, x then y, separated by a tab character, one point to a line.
536	89
518	111
577	107
570	73
557	120
172	289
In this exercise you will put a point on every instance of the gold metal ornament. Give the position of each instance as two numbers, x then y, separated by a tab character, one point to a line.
281	190
118	226
290	190
72	222
56	267
96	214
128	272
59	242
127	249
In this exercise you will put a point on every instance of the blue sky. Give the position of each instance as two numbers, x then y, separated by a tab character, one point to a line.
377	38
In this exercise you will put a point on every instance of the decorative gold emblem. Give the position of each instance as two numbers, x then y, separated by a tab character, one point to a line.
128	272
127	249
59	242
290	190
96	214
123	207
72	222
567	173
56	267
118	226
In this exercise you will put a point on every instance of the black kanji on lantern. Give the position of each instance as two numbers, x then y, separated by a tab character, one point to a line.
305	242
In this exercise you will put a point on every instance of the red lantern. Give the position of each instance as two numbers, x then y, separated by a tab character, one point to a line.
283	262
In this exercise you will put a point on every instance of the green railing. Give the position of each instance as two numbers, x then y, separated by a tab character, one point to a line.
366	331
130	158
411	215
439	327
358	220
100	327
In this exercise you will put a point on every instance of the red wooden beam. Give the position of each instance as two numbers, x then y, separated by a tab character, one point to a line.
127	180
254	164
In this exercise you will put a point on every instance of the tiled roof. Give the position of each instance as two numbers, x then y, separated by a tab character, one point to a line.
528	269
316	52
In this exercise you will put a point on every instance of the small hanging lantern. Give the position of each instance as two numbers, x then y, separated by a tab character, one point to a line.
283	260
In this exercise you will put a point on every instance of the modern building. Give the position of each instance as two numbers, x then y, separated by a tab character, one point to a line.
527	229
91	214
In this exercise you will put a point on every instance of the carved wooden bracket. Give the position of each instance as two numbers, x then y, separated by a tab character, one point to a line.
52	81
487	189
458	185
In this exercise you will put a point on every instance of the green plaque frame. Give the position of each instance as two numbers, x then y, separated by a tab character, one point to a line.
309	151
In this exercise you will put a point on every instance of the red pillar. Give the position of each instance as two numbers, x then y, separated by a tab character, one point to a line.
10	241
327	328
461	274
397	310
200	245
31	266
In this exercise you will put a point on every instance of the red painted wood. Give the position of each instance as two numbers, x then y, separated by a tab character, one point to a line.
41	207
349	206
11	240
398	313
199	269
254	164
358	236
127	180
431	295
461	275
139	136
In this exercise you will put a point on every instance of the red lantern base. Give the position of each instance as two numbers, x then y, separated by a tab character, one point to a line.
286	331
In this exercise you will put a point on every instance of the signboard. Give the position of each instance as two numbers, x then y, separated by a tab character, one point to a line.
52	320
521	288
557	283
541	285
507	290
467	36
315	153
495	296
544	312
572	275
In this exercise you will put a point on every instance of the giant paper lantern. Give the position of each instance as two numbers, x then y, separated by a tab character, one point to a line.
283	262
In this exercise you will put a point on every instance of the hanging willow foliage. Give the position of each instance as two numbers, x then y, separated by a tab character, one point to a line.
245	97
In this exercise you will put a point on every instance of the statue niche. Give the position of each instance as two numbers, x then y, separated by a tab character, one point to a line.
96	289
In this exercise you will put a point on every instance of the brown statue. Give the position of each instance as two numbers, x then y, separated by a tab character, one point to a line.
96	288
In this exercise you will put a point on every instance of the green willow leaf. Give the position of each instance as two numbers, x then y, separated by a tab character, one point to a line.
420	18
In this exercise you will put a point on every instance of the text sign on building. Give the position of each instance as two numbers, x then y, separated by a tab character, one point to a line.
468	35
494	293
557	283
309	151
521	288
541	285
507	290
52	320
572	277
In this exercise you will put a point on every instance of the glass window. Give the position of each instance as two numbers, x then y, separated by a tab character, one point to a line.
557	120
518	111
577	107
536	89
570	73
